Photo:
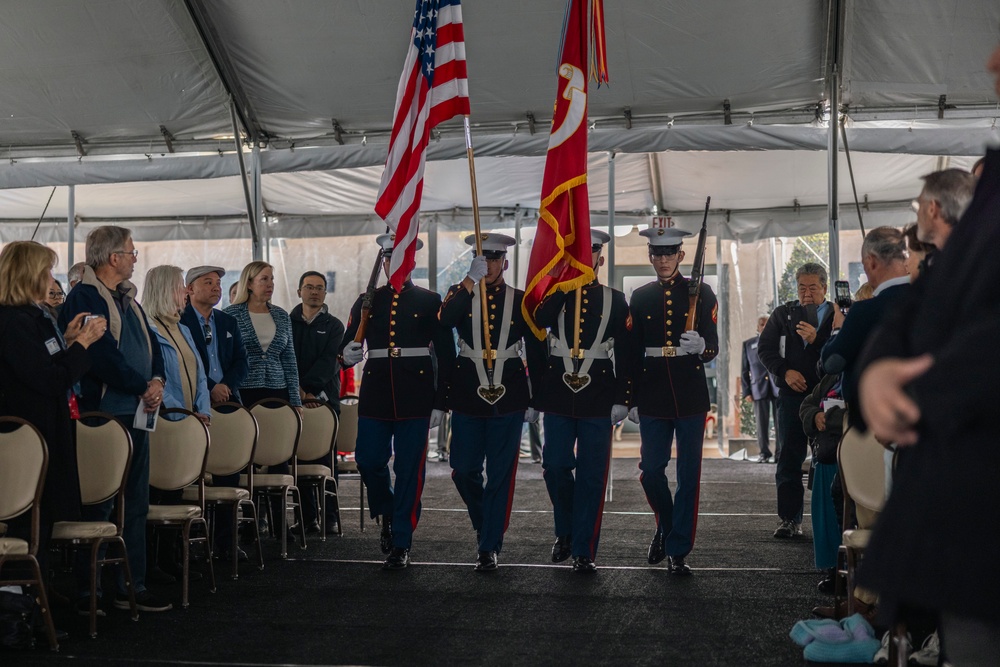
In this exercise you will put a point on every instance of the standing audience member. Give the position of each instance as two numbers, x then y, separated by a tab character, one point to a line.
38	370
582	401
670	394
917	251
316	336
759	388
789	347
232	292
75	274
126	374
54	298
218	341
399	401
266	330
488	410
945	195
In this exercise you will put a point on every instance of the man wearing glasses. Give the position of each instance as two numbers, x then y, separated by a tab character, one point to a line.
217	338
316	336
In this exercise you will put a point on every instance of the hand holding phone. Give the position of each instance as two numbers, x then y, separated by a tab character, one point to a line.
842	293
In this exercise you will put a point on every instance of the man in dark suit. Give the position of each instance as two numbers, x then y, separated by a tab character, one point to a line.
761	389
217	337
883	256
789	348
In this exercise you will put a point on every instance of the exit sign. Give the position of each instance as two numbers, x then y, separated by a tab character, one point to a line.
661	222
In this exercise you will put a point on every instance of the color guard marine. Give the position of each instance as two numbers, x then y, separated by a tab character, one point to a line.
669	393
489	393
581	397
399	400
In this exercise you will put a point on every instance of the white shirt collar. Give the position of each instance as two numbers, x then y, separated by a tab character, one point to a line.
892	282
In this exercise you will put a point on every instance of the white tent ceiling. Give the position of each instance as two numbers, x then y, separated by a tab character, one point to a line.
124	74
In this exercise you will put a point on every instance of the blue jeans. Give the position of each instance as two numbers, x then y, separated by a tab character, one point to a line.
577	504
677	516
134	527
378	439
497	442
792	446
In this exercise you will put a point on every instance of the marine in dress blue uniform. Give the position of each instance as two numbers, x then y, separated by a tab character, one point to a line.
581	399
397	401
670	394
487	416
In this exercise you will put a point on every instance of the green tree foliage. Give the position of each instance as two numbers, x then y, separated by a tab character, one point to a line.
805	250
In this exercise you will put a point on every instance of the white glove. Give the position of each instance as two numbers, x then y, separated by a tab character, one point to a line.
530	416
633	415
353	353
618	413
436	416
477	270
692	342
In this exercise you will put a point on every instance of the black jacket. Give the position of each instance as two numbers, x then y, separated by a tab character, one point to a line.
317	345
799	355
824	443
609	379
756	381
937	542
232	352
670	387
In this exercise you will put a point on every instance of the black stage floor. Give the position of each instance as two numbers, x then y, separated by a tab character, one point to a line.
331	604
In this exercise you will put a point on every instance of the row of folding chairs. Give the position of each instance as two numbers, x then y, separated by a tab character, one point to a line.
183	454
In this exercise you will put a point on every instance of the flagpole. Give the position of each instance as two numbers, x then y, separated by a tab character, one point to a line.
487	344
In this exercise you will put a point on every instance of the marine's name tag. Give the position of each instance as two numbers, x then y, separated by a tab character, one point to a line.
575	381
492	394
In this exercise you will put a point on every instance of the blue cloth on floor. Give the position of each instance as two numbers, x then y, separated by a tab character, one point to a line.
850	640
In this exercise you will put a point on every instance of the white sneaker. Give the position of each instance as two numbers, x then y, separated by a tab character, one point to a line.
882	655
929	652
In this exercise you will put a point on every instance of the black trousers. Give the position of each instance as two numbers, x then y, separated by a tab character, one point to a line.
792	446
763	410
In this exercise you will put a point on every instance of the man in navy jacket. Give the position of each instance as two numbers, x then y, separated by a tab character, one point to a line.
761	389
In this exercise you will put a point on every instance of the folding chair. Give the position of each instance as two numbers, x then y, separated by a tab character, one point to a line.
103	458
24	458
318	440
178	452
347	443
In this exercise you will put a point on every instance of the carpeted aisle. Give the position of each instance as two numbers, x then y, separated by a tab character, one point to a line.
332	604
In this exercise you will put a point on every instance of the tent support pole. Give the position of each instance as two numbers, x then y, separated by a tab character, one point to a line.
71	221
432	255
833	83
722	369
611	218
256	209
774	272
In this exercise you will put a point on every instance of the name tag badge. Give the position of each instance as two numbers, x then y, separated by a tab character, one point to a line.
52	345
781	347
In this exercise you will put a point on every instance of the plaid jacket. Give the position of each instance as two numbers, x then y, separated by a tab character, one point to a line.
275	368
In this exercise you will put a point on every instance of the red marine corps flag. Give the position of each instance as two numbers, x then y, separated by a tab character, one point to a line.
563	235
433	88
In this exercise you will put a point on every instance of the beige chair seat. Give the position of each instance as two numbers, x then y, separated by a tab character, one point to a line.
314	470
83	530
347	465
217	493
173	512
12	546
268	479
857	539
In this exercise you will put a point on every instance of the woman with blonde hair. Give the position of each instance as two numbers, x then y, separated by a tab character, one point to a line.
267	334
39	367
163	299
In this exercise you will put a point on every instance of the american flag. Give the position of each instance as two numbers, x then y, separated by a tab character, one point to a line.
433	88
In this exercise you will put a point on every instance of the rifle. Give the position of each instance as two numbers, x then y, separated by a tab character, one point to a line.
368	298
697	273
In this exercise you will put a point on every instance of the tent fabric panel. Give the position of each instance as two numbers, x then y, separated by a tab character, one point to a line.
108	70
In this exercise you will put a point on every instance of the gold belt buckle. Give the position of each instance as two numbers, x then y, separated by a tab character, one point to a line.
669	351
579	354
395	352
491	355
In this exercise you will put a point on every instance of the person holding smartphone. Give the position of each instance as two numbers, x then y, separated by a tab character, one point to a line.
789	347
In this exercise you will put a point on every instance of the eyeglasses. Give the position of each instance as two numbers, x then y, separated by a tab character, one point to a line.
207	328
314	288
56	295
134	253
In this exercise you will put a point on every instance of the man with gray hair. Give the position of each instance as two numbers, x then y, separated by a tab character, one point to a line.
883	256
941	203
789	347
75	274
126	373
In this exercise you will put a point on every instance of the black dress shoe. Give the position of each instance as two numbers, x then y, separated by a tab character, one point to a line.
385	539
656	552
583	564
226	555
562	549
398	559
487	561
155	575
676	565
332	528
828	583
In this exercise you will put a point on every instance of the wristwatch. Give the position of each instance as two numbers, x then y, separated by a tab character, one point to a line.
160	378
